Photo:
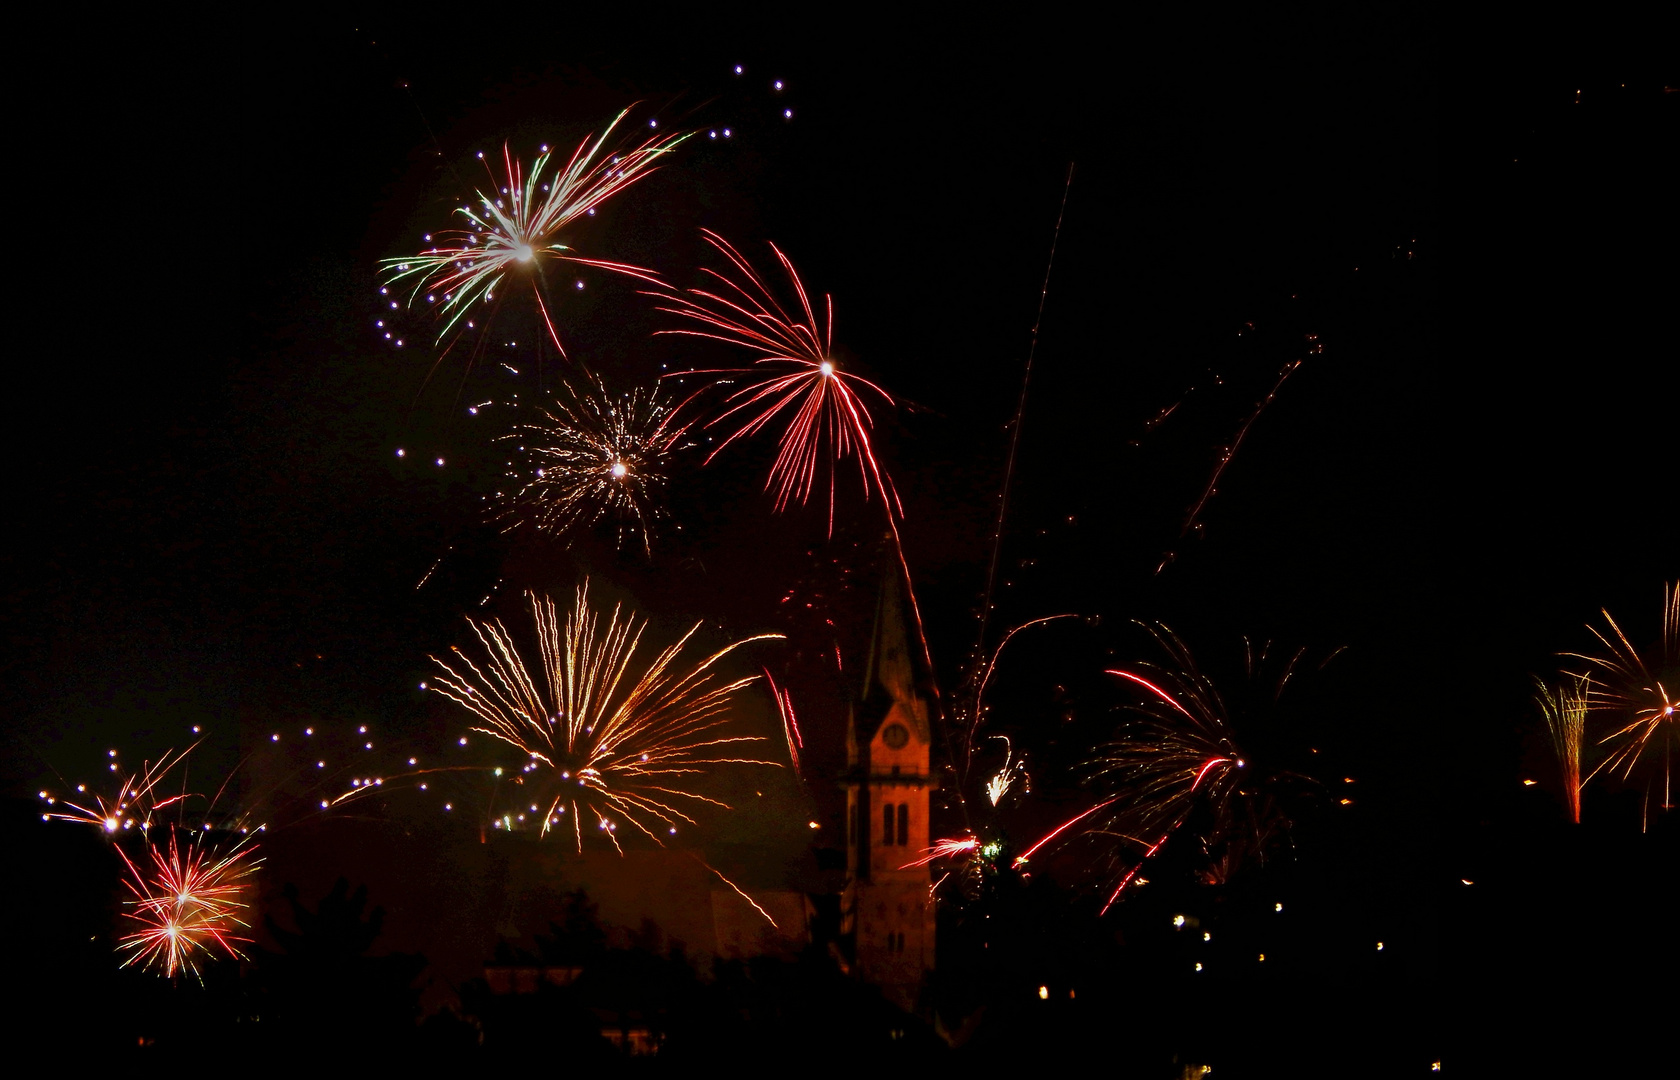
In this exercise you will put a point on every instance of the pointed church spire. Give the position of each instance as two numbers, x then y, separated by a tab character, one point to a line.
894	672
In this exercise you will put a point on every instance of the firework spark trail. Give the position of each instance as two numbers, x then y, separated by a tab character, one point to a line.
1015	426
945	849
961	761
187	903
1063	827
1131	874
790	723
976	710
1225	456
602	736
794	375
600	455
1565	711
1636	691
520	228
739	891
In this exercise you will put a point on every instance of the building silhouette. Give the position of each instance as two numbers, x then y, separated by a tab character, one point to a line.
887	912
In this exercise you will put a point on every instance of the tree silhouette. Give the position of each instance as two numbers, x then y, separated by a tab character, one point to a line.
323	988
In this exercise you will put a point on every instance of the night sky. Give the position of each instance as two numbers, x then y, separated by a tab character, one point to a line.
211	525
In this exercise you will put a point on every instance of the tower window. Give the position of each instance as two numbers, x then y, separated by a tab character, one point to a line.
887	824
903	824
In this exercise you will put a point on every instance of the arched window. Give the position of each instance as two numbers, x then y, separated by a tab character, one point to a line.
903	824
887	825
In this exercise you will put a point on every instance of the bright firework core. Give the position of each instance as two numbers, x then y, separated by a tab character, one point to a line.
523	253
826	367
595	455
607	736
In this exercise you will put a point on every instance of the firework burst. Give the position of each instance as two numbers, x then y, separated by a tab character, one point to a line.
509	233
1641	693
135	801
605	737
187	899
599	456
794	379
1179	764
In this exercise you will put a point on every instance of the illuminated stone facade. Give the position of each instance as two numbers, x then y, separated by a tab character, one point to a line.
886	911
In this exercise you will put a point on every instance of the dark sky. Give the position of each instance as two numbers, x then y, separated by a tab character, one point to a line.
210	523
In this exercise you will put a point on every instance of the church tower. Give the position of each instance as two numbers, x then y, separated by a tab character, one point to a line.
887	908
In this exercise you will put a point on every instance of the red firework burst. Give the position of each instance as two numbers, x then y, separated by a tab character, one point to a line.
794	379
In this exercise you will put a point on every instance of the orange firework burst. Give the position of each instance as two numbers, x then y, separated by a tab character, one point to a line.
1640	692
795	376
187	898
602	737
